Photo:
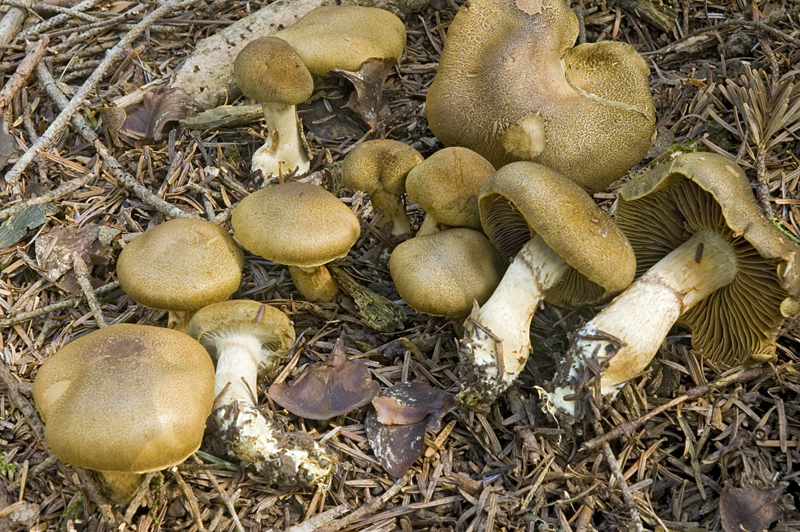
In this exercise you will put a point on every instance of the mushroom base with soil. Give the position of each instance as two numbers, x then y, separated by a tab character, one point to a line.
626	334
283	151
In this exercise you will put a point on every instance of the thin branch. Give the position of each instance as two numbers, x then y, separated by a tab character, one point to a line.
67	303
33	54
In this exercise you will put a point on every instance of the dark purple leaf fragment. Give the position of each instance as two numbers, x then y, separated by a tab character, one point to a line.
149	121
751	509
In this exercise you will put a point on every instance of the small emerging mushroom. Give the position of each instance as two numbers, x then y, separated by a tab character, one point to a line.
125	400
248	338
513	86
180	266
327	390
270	71
302	226
361	43
708	258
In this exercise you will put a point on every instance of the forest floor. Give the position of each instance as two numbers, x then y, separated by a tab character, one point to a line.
719	451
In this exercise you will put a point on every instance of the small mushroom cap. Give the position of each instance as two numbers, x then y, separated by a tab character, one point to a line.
664	207
240	316
508	72
525	199
343	37
443	273
269	70
181	265
295	224
446	185
379	163
126	398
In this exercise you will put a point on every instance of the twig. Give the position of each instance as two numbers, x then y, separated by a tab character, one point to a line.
69	302
59	19
95	493
33	54
11	23
115	54
20	402
40	6
227	500
82	274
54	195
371	506
628	428
312	524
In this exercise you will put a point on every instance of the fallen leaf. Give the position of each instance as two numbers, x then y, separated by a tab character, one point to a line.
750	509
8	147
56	248
31	217
148	121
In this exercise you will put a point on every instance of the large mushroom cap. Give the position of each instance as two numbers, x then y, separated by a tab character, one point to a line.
511	87
344	37
295	224
446	185
663	208
126	398
524	199
444	273
181	265
269	70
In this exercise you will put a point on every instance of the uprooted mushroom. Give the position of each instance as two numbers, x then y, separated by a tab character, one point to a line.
708	258
512	86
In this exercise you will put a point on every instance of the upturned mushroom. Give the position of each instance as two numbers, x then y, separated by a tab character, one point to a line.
513	86
180	266
379	167
445	273
302	226
446	185
125	400
565	250
248	338
708	258
361	43
270	71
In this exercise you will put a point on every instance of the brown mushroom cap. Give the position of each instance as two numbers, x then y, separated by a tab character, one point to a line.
181	265
446	185
525	199
344	37
126	398
380	164
269	70
240	316
663	208
295	224
511	87
444	273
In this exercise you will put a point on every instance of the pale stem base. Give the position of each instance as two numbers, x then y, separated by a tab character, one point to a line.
315	284
283	152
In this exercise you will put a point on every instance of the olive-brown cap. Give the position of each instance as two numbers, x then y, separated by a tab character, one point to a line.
525	199
511	86
181	265
444	273
295	224
343	37
269	70
126	398
446	185
664	207
241	316
379	164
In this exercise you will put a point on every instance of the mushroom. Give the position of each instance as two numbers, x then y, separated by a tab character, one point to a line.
512	86
446	185
248	338
180	266
125	400
444	273
379	167
302	226
270	71
565	250
708	258
361	43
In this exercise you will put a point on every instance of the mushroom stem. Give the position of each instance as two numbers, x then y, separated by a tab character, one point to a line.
430	225
179	319
315	284
283	152
120	485
391	205
633	326
492	366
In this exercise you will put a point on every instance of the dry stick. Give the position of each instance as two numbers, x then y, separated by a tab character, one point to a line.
111	164
371	506
69	302
82	274
33	54
47	7
57	193
20	402
627	429
313	523
11	23
227	500
59	19
115	54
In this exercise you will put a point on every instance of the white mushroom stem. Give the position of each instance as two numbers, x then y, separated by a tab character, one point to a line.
283	151
644	313
392	210
248	434
507	316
